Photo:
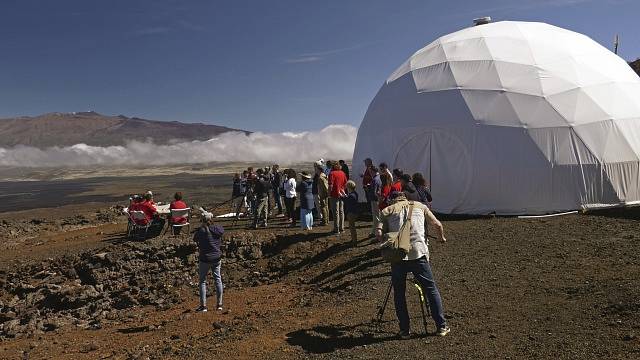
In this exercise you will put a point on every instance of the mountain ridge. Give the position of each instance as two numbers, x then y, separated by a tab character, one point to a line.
92	128
635	65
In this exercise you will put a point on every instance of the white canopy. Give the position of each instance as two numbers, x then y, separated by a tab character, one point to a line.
511	118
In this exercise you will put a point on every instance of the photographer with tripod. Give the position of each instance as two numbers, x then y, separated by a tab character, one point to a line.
405	247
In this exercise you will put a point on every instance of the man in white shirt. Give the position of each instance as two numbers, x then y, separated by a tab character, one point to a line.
416	261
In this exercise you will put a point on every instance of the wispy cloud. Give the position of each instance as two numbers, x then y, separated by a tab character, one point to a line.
165	29
322	55
303	59
152	30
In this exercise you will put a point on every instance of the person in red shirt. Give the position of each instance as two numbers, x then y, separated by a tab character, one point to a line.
337	191
148	206
145	205
178	204
397	185
136	205
385	190
148	197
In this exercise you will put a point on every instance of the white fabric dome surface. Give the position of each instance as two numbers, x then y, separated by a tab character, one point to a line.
512	118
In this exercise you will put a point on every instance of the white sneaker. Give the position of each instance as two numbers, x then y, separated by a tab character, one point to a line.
443	331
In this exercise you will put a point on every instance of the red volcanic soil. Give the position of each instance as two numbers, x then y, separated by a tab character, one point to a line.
563	287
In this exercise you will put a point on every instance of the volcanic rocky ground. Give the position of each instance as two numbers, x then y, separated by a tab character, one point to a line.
71	286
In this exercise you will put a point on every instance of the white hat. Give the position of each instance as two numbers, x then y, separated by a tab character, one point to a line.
208	216
149	193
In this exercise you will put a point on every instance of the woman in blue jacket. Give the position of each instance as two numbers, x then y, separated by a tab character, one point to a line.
208	238
307	203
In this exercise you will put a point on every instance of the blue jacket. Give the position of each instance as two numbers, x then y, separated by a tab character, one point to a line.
305	188
209	242
351	203
372	191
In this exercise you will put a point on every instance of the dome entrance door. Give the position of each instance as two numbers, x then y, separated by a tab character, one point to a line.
445	162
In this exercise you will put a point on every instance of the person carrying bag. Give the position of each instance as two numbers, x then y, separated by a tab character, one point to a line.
397	244
404	245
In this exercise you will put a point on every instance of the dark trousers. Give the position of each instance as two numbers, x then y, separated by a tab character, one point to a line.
278	200
422	273
290	204
156	227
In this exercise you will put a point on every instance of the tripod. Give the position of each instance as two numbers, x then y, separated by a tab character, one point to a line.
248	199
238	208
424	303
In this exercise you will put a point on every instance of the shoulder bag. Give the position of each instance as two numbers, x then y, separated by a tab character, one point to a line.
396	245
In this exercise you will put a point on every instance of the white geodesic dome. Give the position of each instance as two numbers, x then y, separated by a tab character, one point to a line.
511	118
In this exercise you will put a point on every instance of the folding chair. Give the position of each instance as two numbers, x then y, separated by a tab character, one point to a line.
179	213
137	223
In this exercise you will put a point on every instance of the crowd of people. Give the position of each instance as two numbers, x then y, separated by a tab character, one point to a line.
306	196
328	194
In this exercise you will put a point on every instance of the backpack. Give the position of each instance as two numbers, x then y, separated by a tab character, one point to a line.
396	245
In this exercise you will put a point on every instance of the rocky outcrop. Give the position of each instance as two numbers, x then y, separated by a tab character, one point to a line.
15	230
87	289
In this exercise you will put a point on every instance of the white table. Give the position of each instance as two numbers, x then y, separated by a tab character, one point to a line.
161	209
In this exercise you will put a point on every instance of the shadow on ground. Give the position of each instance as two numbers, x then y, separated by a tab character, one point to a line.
329	338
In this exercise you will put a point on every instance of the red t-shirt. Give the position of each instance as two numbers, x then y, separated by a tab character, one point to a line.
149	209
384	196
396	186
337	183
178	204
140	206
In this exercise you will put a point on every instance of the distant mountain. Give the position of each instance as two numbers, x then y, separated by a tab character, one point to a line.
65	129
635	65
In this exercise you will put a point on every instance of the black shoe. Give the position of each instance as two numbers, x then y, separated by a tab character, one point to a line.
201	309
403	335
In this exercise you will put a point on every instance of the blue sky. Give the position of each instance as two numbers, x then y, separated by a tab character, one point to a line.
262	65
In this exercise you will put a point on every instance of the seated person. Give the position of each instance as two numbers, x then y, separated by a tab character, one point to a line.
133	201
178	204
148	206
137	205
148	197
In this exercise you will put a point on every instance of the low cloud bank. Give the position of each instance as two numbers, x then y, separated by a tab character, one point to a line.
333	142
